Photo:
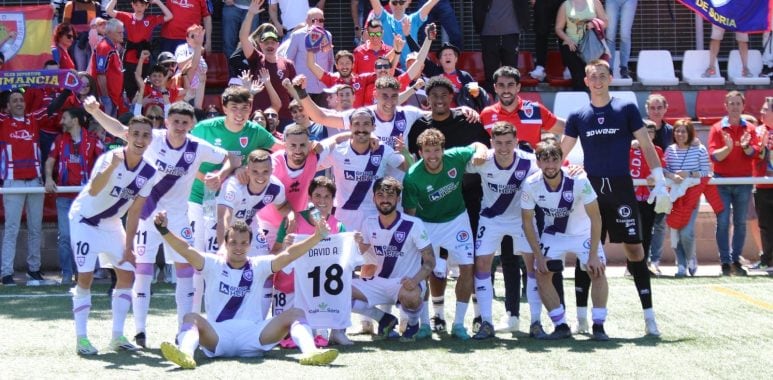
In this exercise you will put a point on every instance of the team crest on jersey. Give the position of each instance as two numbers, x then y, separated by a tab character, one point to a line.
243	141
600	119
247	275
140	181
400	125
400	236
568	195
520	174
462	236
375	159
280	74
452	173
186	233
267	199
528	110
189	157
140	250
260	238
81	260
586	244
356	86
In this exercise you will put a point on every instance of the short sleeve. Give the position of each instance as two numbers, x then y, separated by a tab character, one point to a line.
421	237
527	200
228	193
571	126
586	190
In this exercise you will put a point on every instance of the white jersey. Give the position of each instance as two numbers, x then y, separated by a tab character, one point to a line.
560	212
235	293
396	249
502	186
323	281
355	173
388	130
177	170
244	203
110	204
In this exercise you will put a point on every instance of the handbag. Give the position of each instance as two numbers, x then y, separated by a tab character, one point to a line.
593	44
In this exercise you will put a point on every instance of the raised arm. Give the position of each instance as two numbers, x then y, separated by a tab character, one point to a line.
244	32
180	246
273	15
110	124
99	182
138	70
168	16
208	31
427	7
377	8
298	87
110	8
313	66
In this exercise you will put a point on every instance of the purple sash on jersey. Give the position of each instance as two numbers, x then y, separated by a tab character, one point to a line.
273	191
504	200
397	241
363	187
567	198
399	125
134	187
165	184
235	302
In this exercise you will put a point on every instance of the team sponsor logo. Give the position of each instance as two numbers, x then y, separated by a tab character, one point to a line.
400	125
295	187
489	175
243	141
375	159
260	238
347	161
568	195
631	232
21	135
587	189
182	3
586	244
602	131
520	174
186	233
366	58
218	142
230	196
600	119
224	273
462	236
189	157
240	214
528	110
399	236
624	211
247	275
452	173
140	181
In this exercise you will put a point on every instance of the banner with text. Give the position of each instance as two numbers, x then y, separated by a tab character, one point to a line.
751	16
25	36
64	79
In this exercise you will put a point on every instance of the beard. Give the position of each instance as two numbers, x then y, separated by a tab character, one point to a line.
386	209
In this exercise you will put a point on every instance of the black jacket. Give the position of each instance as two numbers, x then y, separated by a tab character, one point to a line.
481	7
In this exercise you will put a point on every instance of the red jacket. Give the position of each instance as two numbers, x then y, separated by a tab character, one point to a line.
682	209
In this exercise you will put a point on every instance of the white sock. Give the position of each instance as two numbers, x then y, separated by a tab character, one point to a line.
122	301
361	307
424	313
475	306
188	338
558	316
461	310
301	334
582	313
412	316
81	306
198	292
438	306
485	296
649	313
141	295
599	315
183	293
535	302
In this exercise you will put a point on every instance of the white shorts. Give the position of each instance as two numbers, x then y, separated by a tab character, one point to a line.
491	231
281	302
455	236
382	291
717	33
204	231
239	338
148	240
556	247
105	241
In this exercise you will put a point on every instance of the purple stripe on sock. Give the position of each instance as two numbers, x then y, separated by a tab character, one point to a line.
598	321
186	327
79	308
482	275
144	269
185	271
531	275
126	297
556	318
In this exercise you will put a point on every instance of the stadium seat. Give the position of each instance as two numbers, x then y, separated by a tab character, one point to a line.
526	65
555	70
754	101
656	68
616	80
567	102
694	64
217	69
677	108
215	99
735	69
626	95
531	96
710	106
472	62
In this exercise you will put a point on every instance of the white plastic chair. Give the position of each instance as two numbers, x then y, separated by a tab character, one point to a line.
735	69
694	65
567	102
656	68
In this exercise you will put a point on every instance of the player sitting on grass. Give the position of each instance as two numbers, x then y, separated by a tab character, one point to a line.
235	327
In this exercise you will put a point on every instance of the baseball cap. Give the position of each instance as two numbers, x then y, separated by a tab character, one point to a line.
166	57
268	34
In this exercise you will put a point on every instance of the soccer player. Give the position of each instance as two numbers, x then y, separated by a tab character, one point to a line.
606	127
569	215
433	192
234	327
177	157
502	174
400	247
121	182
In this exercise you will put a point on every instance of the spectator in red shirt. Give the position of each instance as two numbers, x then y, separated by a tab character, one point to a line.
763	196
37	98
72	157
344	61
154	87
107	68
732	147
20	163
374	47
139	30
64	36
186	13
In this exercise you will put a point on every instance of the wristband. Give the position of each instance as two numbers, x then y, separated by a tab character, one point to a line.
161	229
302	94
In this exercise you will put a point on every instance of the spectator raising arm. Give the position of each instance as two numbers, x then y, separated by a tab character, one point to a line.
110	124
248	46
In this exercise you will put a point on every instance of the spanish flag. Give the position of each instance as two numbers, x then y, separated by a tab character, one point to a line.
25	36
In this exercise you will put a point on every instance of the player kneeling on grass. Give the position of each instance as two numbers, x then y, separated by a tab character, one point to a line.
236	327
571	223
399	246
121	182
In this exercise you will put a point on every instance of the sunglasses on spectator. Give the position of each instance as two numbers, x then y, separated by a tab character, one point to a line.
270	115
398	2
318	20
67	35
375	34
383	66
155	117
